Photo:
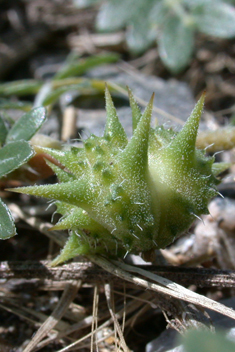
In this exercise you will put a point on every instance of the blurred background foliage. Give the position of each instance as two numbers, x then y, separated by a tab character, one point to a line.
171	24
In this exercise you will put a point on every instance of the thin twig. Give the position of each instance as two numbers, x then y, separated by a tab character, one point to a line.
91	274
160	284
95	316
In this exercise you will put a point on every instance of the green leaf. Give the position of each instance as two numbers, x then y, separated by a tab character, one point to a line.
56	93
217	19
84	3
27	125
16	105
113	15
23	87
175	44
194	3
158	14
7	227
230	1
205	341
13	155
139	37
81	66
134	14
3	131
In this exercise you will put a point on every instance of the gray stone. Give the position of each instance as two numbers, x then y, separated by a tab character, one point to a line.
173	97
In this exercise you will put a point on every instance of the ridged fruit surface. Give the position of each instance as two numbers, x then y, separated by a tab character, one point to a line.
118	196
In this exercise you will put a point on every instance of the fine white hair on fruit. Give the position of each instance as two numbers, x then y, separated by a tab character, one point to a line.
120	196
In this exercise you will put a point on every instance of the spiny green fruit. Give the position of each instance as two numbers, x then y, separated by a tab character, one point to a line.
118	196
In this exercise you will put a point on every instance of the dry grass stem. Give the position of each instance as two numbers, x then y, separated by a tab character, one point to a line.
163	285
109	294
63	304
